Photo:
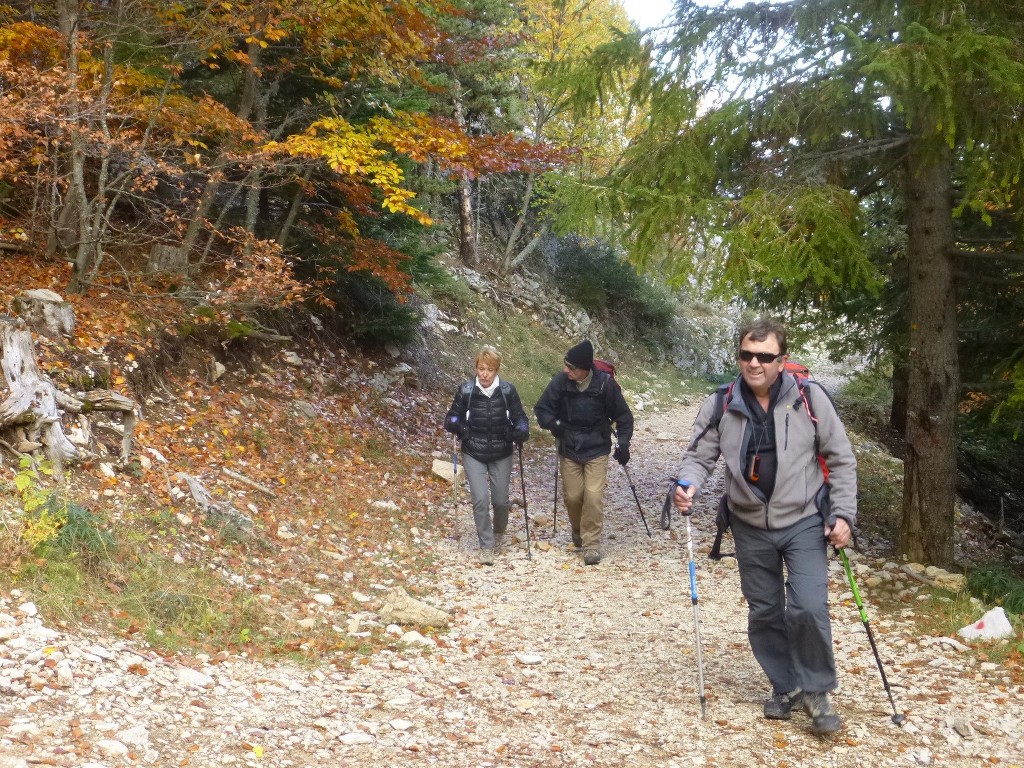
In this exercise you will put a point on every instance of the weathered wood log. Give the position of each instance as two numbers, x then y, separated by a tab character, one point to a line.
36	403
105	400
46	312
32	401
247	481
219	511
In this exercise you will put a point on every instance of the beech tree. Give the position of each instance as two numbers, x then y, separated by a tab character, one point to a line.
769	126
553	36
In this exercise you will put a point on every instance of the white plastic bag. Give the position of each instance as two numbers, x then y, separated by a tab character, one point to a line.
992	626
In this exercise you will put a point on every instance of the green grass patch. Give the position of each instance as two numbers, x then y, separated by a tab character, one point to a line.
997	584
173	606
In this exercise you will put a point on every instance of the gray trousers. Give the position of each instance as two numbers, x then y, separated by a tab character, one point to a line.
787	621
488	485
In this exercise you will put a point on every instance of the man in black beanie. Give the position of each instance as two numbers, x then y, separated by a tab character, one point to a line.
579	407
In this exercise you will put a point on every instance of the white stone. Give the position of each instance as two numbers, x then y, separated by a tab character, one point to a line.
137	736
112	747
194	678
358	737
529	659
412	637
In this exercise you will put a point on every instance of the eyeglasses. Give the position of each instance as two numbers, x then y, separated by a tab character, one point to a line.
570	366
763	358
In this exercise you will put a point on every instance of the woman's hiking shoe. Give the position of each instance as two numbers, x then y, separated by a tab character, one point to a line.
591	556
823	717
487	557
781	705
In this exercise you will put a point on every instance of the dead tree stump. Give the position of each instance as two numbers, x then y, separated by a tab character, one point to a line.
35	406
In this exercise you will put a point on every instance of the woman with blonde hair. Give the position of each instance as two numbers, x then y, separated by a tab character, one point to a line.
488	417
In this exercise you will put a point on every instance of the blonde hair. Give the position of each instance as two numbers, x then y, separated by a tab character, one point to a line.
490	356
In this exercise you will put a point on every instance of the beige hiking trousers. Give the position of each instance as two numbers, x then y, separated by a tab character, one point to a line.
583	486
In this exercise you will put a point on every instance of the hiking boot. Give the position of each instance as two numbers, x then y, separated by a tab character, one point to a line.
487	557
823	717
577	540
781	705
499	541
591	556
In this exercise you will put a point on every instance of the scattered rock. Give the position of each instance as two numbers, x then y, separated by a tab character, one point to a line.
400	608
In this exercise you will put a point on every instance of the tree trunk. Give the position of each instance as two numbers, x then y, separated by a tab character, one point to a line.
467	240
250	93
933	386
898	409
77	198
517	230
294	208
527	250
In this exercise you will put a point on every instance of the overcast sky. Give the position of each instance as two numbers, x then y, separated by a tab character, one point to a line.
647	13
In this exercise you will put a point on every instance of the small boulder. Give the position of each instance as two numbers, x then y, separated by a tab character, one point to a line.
400	608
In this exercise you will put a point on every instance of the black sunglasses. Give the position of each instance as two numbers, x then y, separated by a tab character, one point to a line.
762	357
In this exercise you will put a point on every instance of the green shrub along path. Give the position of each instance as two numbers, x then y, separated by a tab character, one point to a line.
546	662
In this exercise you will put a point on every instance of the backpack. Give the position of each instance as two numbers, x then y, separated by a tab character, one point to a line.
466	391
723	397
604	365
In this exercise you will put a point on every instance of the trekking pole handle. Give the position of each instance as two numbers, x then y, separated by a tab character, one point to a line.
685	485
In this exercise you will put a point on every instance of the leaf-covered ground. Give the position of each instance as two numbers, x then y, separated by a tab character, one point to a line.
326	452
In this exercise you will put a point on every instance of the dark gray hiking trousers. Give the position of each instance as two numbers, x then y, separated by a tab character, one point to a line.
784	577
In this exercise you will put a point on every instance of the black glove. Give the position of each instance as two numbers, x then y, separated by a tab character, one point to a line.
621	454
519	436
558	429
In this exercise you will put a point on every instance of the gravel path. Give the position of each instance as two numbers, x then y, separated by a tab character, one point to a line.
547	663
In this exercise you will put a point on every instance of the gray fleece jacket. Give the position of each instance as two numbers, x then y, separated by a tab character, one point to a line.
799	478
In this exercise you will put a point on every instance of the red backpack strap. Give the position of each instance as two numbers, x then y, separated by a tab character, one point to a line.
801	383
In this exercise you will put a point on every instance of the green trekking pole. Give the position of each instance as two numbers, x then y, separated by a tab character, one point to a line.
897	718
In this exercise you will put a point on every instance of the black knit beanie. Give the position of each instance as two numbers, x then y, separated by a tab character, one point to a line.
581	356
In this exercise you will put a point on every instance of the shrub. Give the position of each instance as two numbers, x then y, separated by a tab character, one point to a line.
996	584
607	286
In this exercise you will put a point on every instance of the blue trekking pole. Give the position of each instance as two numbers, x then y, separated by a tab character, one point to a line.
696	608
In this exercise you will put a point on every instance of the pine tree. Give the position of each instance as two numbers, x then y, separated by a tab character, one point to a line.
772	124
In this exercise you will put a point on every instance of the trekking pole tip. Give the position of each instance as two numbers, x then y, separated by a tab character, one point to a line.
899	719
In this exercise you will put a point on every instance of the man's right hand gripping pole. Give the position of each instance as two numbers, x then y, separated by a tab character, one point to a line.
682	496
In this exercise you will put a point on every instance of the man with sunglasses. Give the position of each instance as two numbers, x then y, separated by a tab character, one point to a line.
579	406
771	430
